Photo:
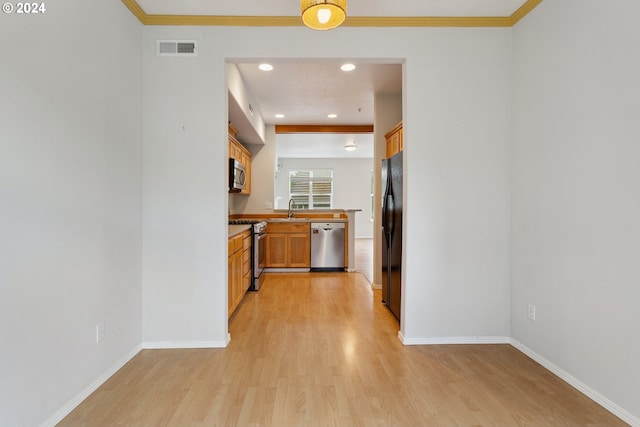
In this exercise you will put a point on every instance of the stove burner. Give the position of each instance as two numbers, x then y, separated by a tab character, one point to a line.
243	221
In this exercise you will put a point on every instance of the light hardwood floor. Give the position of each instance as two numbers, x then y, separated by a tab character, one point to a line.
319	349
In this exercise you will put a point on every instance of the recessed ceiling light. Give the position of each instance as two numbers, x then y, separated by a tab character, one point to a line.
265	67
279	116
332	116
350	146
348	67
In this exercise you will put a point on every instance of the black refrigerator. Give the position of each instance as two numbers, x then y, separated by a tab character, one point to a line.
392	232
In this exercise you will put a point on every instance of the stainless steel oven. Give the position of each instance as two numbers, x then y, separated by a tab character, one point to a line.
259	253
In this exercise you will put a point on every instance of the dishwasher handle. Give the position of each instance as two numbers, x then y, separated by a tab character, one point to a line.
326	226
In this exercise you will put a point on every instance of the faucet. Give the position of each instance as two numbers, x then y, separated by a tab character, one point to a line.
290	211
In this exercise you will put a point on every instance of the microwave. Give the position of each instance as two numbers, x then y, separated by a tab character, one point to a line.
237	176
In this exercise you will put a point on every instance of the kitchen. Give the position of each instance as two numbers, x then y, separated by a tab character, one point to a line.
344	149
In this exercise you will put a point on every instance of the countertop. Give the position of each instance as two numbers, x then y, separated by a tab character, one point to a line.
306	220
238	228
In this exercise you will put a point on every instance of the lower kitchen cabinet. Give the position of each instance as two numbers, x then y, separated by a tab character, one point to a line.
288	245
239	265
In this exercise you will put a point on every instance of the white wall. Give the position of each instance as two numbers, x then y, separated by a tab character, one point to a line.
185	206
351	186
576	205
457	127
70	198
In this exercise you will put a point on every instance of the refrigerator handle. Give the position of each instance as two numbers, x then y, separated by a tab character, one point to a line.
384	212
388	213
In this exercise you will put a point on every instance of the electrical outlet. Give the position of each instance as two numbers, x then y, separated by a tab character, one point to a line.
268	205
99	332
531	312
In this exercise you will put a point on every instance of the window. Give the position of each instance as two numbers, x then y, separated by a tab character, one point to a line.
311	188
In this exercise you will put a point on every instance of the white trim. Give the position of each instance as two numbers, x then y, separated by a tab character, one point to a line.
454	340
160	345
616	410
77	399
376	286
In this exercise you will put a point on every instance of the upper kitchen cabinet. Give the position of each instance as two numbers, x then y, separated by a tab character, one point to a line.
394	140
239	152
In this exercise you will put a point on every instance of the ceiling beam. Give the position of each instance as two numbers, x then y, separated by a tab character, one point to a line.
324	128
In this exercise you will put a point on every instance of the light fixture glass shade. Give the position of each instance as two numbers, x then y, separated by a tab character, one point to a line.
323	14
350	146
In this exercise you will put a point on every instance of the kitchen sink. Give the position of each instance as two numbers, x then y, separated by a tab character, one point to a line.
294	219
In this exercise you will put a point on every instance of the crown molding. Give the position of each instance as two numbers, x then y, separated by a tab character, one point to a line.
523	11
354	21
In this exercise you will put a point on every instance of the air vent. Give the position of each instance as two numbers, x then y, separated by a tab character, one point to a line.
177	48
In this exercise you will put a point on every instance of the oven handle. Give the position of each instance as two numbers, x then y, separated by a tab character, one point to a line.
262	236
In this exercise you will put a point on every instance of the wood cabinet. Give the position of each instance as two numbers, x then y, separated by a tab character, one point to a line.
239	265
394	140
239	152
288	245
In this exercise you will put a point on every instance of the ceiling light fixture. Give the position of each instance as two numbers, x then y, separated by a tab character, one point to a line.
348	67
279	116
265	67
323	14
350	146
332	116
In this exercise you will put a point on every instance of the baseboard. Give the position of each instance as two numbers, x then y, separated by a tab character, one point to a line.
454	340
376	286
160	345
579	385
73	403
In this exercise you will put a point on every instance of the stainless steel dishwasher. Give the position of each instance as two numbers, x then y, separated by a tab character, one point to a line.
327	246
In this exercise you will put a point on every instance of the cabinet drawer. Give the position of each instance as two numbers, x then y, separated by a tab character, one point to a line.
235	244
239	243
246	267
284	227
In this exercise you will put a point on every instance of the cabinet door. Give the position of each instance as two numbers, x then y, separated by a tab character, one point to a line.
299	255
232	150
230	287
238	279
276	248
393	144
235	281
246	161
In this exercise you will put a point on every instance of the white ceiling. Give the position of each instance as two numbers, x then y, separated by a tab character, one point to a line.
435	8
307	91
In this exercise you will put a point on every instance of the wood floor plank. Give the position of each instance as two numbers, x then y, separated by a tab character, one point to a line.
319	349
